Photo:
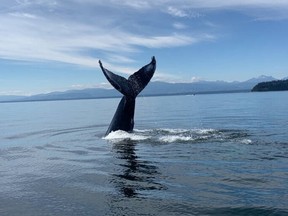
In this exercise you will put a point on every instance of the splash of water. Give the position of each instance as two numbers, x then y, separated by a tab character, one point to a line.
168	135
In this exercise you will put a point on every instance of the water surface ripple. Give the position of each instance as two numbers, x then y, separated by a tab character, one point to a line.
223	154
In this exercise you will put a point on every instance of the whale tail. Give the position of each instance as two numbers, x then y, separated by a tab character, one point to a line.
132	86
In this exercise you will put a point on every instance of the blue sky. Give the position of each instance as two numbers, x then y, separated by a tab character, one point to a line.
55	45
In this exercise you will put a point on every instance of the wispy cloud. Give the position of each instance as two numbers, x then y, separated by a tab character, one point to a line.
31	33
82	31
23	15
176	12
75	43
222	3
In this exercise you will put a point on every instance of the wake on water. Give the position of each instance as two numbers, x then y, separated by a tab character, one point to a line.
166	135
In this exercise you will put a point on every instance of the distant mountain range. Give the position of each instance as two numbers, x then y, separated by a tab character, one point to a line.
153	89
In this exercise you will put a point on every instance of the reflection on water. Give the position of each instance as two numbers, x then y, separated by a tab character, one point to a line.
134	174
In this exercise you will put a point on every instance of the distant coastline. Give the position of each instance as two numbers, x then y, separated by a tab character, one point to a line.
154	89
109	97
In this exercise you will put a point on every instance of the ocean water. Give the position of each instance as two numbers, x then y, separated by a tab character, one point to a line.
217	154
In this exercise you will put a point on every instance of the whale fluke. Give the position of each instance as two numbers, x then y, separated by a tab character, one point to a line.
124	116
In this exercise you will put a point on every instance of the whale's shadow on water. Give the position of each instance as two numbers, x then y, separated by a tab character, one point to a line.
134	176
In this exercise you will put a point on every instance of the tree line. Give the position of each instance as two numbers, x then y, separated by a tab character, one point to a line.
277	85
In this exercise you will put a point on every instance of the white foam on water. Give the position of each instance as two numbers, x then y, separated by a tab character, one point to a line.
174	138
180	130
246	141
122	135
174	131
205	131
170	135
143	130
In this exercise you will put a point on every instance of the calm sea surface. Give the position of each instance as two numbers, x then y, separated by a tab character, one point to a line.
218	154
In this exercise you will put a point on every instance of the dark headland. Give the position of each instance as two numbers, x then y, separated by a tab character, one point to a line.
277	85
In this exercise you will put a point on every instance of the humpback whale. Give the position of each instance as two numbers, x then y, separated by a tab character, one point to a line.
124	116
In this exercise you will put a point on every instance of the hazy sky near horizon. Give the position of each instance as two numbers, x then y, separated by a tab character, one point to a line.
55	45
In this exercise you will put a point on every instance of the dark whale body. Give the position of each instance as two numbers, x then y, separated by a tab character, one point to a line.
124	116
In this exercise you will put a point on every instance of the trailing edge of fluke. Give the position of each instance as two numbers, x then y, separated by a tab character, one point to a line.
124	116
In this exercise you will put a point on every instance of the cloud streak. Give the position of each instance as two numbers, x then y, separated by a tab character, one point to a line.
33	36
26	37
80	32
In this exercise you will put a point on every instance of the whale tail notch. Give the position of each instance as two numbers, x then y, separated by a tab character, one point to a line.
132	86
